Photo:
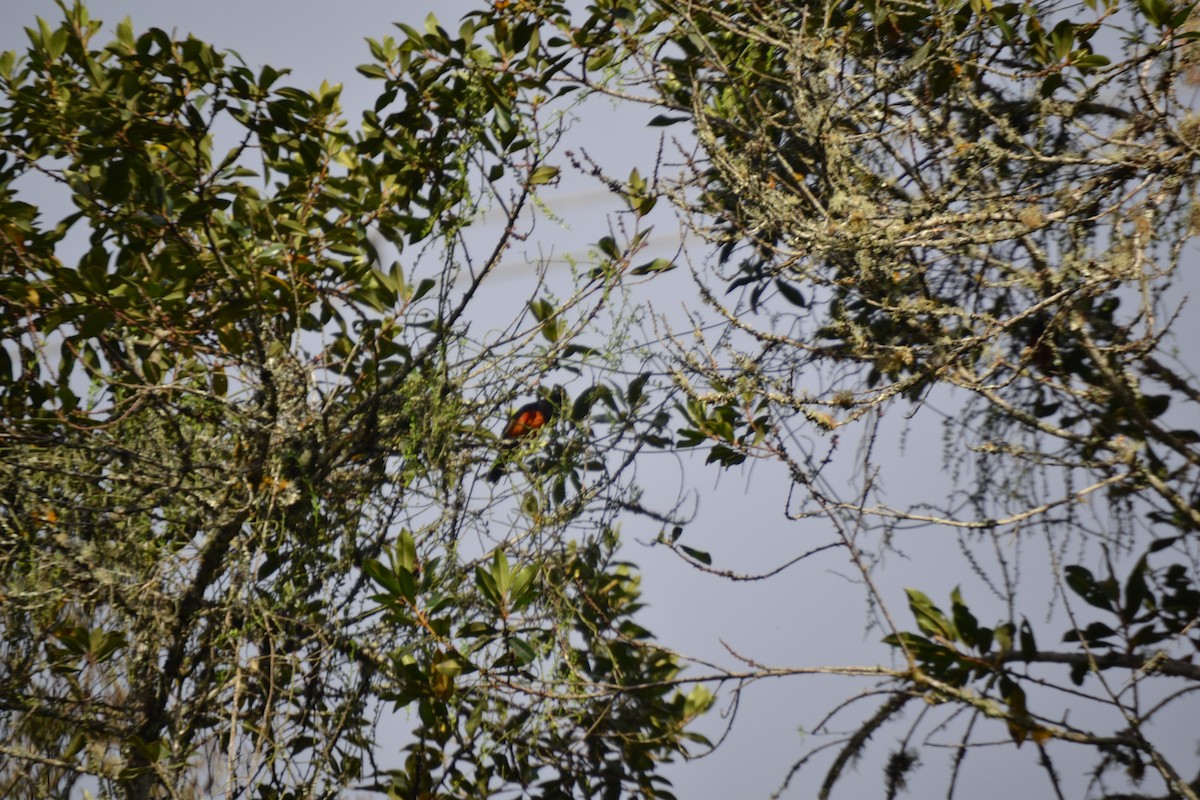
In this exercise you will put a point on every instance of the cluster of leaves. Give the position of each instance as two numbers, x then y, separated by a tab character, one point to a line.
1158	606
955	659
539	624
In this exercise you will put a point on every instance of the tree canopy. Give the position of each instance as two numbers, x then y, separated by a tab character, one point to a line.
245	417
248	401
977	210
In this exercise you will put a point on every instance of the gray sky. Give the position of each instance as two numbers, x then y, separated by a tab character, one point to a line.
808	616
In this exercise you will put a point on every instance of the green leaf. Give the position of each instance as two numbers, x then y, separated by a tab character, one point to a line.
1090	61
451	666
725	455
523	651
1154	405
634	392
541	309
543	175
523	591
791	293
657	265
964	621
384	577
373	71
698	701
406	551
423	288
1043	410
600	58
398	583
486	583
1095	634
921	647
1162	544
608	246
501	572
1028	643
407	585
552	330
698	555
662	120
1157	12
643	205
636	182
929	617
476	630
1137	591
586	401
104	644
1081	581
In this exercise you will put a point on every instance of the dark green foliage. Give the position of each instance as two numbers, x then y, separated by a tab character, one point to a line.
241	429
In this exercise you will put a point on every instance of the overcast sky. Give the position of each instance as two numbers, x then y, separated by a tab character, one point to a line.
811	615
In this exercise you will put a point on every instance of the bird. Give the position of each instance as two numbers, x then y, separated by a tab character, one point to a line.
524	421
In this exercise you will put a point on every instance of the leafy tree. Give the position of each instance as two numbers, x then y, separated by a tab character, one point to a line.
245	417
241	455
964	206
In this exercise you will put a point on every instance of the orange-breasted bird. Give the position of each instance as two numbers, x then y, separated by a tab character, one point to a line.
524	421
